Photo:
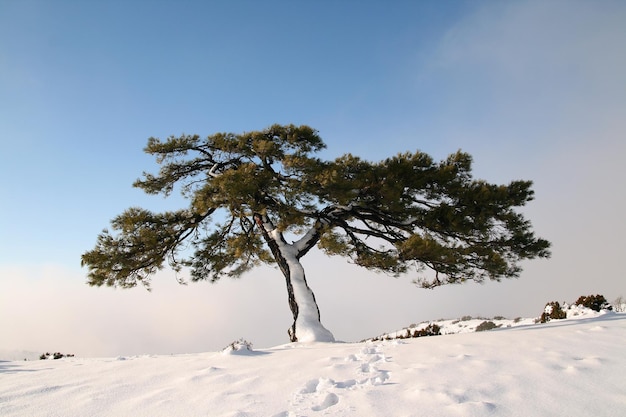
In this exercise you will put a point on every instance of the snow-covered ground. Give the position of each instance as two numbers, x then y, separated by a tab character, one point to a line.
572	367
468	324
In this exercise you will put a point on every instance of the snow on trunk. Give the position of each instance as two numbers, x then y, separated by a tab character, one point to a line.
307	326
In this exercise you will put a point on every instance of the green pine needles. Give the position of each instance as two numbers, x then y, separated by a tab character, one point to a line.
404	214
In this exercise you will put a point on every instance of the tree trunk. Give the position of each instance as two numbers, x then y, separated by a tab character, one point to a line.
307	326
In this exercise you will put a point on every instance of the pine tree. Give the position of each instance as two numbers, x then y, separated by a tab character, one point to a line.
247	192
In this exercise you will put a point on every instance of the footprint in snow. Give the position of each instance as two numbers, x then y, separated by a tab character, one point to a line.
326	389
330	400
285	414
369	359
315	389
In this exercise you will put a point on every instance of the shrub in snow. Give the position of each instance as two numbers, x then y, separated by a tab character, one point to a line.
552	311
595	302
430	330
486	325
240	346
55	355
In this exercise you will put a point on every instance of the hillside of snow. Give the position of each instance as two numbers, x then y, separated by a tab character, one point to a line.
468	324
571	367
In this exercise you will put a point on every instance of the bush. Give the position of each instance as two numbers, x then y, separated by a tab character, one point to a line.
486	325
552	311
430	330
240	346
619	305
55	355
595	302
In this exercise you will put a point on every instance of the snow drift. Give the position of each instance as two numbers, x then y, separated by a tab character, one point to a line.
572	367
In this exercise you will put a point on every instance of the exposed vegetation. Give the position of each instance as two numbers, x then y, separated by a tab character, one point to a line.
595	302
55	355
238	345
432	329
552	311
486	325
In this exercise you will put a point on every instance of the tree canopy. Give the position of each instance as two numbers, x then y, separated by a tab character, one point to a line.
404	212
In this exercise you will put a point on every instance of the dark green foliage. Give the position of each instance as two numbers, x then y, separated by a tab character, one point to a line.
404	213
431	330
486	325
552	311
595	302
55	355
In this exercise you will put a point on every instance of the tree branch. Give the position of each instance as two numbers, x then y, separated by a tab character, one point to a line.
310	239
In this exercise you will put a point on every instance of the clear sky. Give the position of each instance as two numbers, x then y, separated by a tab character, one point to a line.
533	90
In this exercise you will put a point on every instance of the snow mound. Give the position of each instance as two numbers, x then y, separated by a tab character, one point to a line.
468	324
238	347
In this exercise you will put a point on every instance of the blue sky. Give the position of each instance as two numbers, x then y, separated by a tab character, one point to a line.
533	90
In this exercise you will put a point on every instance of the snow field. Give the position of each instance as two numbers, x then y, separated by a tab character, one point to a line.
572	367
